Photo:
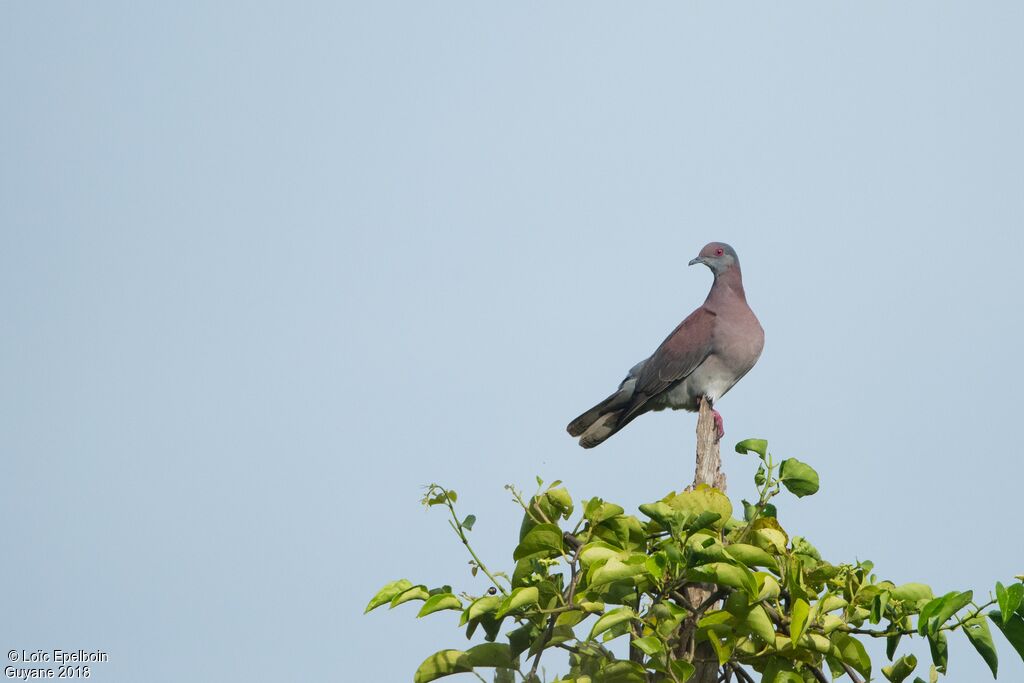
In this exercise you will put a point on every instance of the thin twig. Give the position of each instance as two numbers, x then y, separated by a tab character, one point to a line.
681	599
741	673
819	675
851	673
572	541
457	526
711	599
544	640
567	597
777	618
910	631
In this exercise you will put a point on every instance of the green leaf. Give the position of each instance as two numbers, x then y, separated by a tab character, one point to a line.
769	535
490	654
723	574
750	511
705	520
878	605
443	663
481	606
623	531
520	638
468	523
621	671
561	501
941	610
723	648
599	551
705	548
816	642
953	605
939	649
751	555
1009	599
789	677
716	620
441	601
851	651
830	622
610	619
598	511
414	593
439	499
447	662
926	613
655	566
570	618
759	446
769	587
912	592
560	634
666	516
798	619
702	499
758	622
520	597
981	638
682	669
900	669
779	670
800	478
1012	628
388	592
543	539
615	570
649	645
891	643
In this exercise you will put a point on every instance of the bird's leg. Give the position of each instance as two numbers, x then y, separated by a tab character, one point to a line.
719	425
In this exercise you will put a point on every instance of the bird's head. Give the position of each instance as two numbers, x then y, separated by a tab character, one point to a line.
718	256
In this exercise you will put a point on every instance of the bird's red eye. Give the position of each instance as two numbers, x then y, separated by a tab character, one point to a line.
719	252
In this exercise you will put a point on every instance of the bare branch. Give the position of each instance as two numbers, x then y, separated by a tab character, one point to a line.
568	599
741	673
851	673
819	675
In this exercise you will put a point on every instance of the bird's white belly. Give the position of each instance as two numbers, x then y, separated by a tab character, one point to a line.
710	379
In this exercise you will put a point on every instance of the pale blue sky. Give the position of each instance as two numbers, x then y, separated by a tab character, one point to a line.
266	269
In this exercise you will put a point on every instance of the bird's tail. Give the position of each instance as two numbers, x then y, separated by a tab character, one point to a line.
602	428
596	425
584	421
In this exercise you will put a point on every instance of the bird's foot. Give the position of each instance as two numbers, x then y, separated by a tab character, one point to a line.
719	425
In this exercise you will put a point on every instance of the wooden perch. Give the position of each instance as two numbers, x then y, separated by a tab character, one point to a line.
709	460
708	471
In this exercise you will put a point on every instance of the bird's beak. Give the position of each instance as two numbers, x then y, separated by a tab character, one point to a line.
697	260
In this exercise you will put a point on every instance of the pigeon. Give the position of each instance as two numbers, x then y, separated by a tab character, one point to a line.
711	350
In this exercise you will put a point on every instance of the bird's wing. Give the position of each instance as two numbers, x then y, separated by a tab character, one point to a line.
679	355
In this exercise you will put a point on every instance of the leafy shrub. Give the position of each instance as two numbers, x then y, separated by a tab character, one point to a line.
700	593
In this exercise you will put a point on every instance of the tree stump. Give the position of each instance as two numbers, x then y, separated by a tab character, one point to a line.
708	471
709	460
